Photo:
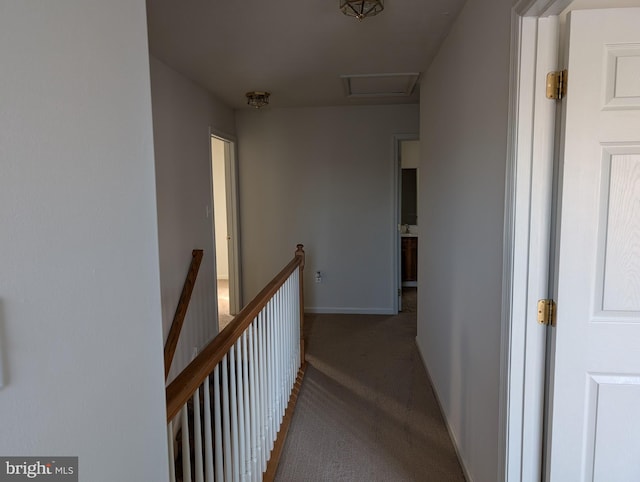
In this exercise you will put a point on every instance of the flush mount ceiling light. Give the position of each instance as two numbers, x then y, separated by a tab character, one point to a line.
258	99
361	8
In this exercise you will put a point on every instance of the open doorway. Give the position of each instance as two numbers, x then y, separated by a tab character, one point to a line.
407	161
225	225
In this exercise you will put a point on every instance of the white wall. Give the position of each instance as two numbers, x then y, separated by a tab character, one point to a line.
462	178
79	285
322	177
183	113
220	207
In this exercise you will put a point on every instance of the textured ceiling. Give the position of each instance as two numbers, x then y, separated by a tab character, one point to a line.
297	50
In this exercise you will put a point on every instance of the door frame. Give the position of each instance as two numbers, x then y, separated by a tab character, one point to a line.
233	217
529	218
396	244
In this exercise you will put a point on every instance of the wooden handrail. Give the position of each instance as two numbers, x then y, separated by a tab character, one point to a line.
186	383
181	310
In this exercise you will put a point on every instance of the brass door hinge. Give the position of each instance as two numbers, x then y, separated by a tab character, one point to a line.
547	312
557	85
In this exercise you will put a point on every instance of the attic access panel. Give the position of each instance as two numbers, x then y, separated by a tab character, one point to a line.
379	85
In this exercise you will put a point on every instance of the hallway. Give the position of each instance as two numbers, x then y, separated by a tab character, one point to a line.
366	410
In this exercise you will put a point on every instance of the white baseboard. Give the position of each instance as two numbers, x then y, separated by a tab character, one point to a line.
349	310
444	416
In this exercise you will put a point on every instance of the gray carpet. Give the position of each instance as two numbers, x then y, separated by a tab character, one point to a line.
409	300
366	411
224	316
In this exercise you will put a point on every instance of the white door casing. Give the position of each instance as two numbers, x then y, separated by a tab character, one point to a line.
231	215
595	391
233	227
528	220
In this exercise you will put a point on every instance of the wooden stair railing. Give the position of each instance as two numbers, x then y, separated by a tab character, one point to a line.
181	310
237	396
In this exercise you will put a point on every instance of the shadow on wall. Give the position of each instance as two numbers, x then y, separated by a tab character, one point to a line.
4	370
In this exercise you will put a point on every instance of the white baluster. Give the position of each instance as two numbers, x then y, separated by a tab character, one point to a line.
234	416
262	419
273	365
267	370
285	346
298	320
217	428
172	461
280	355
241	414
276	367
282	345
254	365
246	410
295	327
278	364
226	420
186	449
208	439
197	434
289	332
295	324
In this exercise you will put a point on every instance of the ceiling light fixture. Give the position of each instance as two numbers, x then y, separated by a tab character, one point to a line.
361	8
258	99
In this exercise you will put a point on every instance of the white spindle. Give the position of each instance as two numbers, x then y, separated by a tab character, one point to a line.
298	308
283	348
287	348
252	405
226	420
286	345
172	460
241	413
299	317
285	358
186	449
234	417
289	332
246	409
217	427
208	439
197	435
266	423
295	326
292	331
262	418
277	348
272	376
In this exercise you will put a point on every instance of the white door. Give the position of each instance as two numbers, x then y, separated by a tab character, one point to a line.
595	395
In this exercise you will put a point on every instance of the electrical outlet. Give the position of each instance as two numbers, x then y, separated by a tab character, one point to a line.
318	277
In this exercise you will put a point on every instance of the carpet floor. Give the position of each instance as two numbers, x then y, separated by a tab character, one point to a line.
224	316
366	410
